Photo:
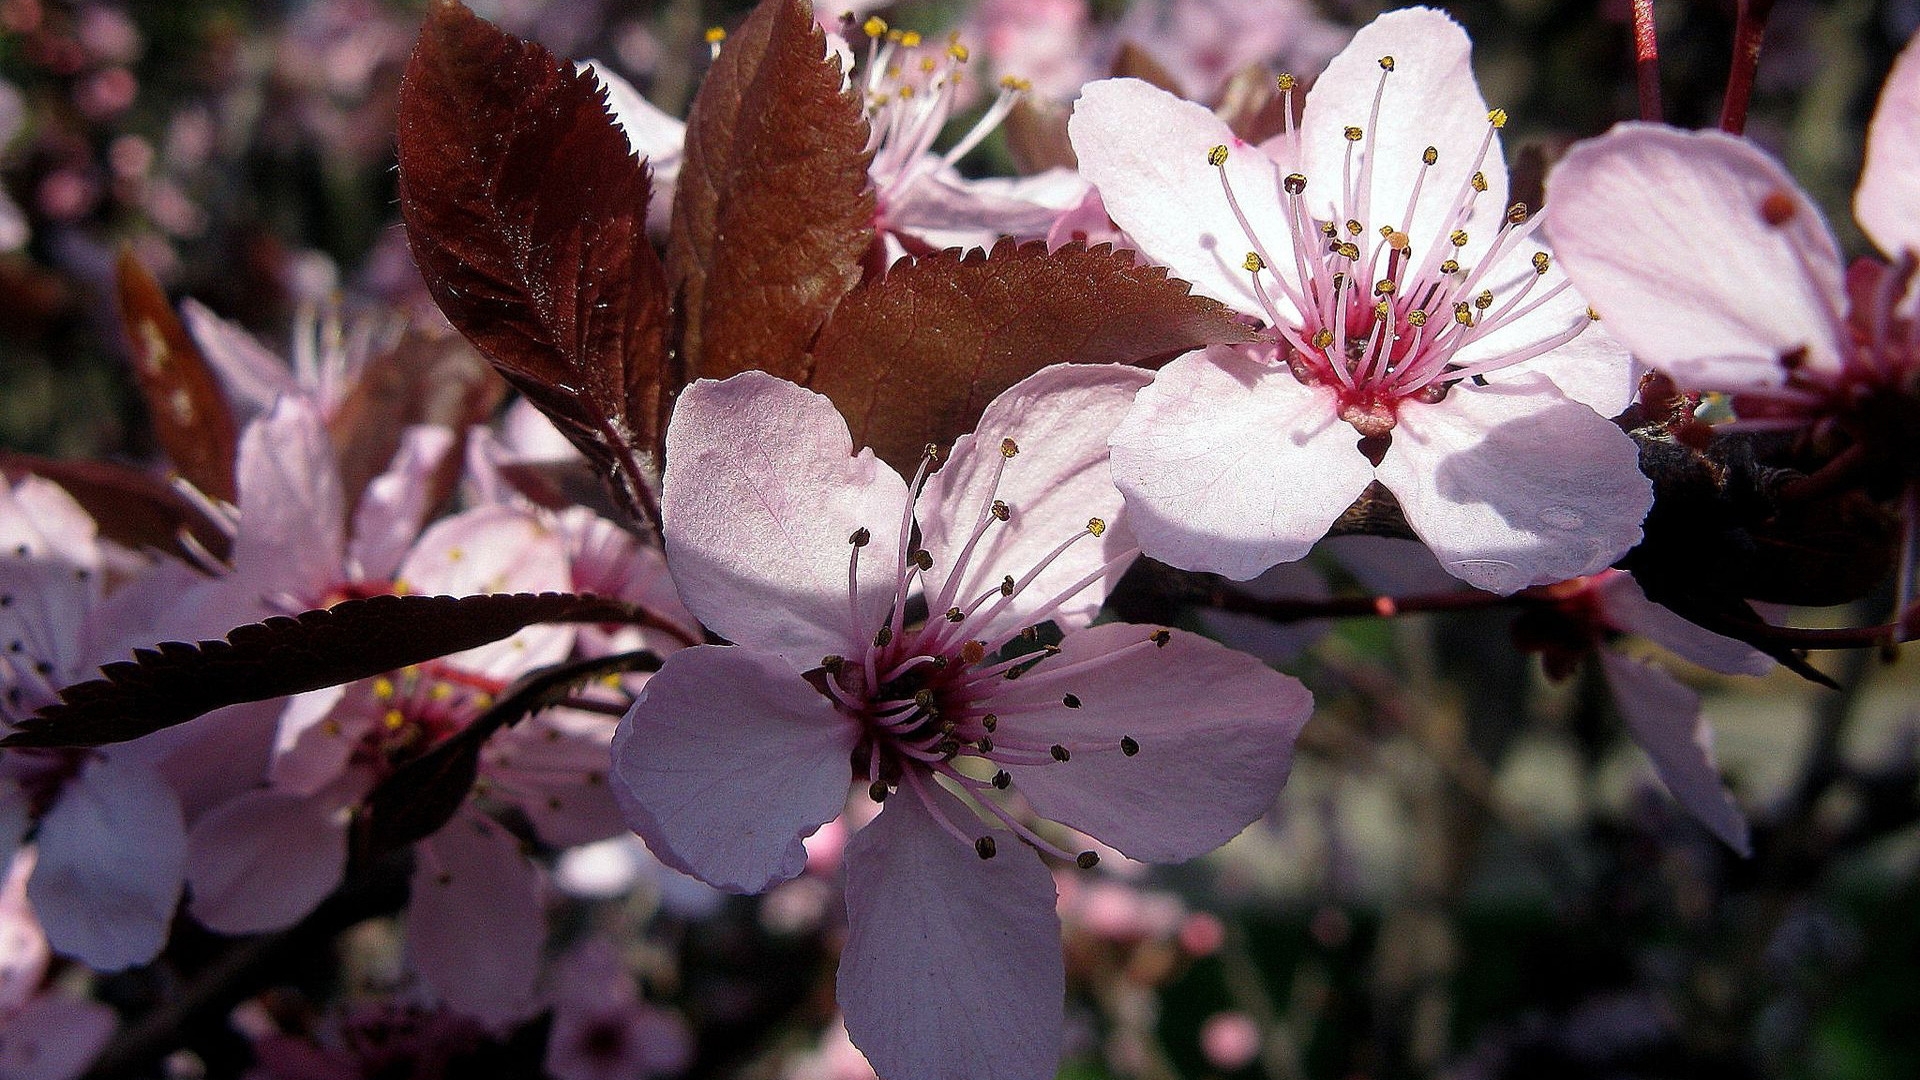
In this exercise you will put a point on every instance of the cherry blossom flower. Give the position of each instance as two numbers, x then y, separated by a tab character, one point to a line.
813	560
1408	311
602	1030
1774	317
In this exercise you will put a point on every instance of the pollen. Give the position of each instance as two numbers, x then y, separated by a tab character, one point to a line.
1286	82
1518	213
874	27
394	720
1217	156
1450	267
1354	134
1479	181
1417	317
1386	63
1160	638
985	847
959	52
1087	860
383	688
1129	745
1322	338
1498	118
1295	183
1008	448
1060	753
716	34
1459	238
1253	262
1431	155
1096	526
861	537
911	39
1383	287
1000	510
1541	262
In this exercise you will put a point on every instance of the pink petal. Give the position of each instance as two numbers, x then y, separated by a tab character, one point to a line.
1059	419
292	534
109	873
54	1037
317	735
1628	609
494	549
1146	152
942	941
945	209
762	491
1663	231
726	761
23	945
252	375
395	503
1230	465
1214	729
1273	642
41	515
1430	100
475	923
1664	718
1890	180
553	765
1513	485
1592	369
264	861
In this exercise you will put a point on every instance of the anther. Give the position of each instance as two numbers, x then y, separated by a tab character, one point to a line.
1327	230
1217	156
882	637
1087	860
716	34
1253	262
1383	287
1003	779
1001	510
1541	262
958	52
1295	183
1498	118
1286	81
1096	526
1345	249
1015	83
1008	448
1396	240
985	847
1386	63
1458	238
877	791
1382	310
874	27
1431	155
1450	267
990	722
1484	300
1006	585
1416	317
861	537
1592	315
1071	701
1060	753
973	652
1518	213
911	39
1479	181
1463	314
931	452
923	698
955	615
1128	745
1354	228
1353	134
985	744
1322	338
922	559
1160	638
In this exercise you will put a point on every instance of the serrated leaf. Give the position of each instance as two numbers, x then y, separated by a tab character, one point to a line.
914	357
355	639
131	507
190	416
527	216
773	211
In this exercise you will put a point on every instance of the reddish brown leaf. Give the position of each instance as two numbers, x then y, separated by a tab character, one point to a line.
915	356
527	216
1134	62
131	507
189	414
355	639
773	212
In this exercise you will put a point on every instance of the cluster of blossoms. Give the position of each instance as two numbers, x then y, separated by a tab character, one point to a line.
930	648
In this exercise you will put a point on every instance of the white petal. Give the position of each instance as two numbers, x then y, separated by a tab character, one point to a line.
475	923
1888	202
1664	718
111	852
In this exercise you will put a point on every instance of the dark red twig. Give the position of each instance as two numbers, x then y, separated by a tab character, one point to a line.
1646	60
1348	607
1748	34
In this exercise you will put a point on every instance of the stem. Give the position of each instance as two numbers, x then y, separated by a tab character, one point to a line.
1646	60
1347	607
1748	34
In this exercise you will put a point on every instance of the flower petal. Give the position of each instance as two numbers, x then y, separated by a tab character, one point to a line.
55	1037
1627	608
1664	718
1890	179
1059	420
494	549
762	491
475	924
1429	99
395	502
1214	732
1230	465
251	374
952	968
1592	369
1666	233
263	861
726	760
1513	485
292	533
1147	153
109	873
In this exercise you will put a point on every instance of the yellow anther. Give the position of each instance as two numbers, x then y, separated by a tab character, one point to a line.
1328	230
1463	313
1431	155
1015	83
383	689
1484	300
894	36
1295	183
959	52
1354	228
928	64
911	39
1382	311
1354	134
1386	63
1518	213
1254	263
1096	526
1383	287
874	27
1541	262
394	720
1217	156
1349	251
906	93
1498	118
1286	82
483	701
1459	238
1416	317
1398	241
1386	231
611	682
1450	267
1008	448
440	692
331	728
1322	338
1479	181
716	34
1592	315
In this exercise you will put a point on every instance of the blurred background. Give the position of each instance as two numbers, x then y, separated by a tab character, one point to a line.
1472	873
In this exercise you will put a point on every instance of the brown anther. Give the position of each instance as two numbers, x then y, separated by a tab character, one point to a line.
1087	860
877	791
1484	300
1217	156
1071	701
1479	181
1129	745
1518	213
1354	134
922	559
1006	585
1160	638
1386	63
1003	779
973	652
1008	448
1001	510
954	614
1431	155
1060	753
861	537
1458	238
882	636
990	722
1329	230
1295	183
1541	262
923	698
985	847
985	744
1254	263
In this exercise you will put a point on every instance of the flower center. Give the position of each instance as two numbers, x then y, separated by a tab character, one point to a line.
1366	305
419	706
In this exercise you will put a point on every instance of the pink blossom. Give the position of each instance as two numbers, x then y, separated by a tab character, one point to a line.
45	1034
1408	311
602	1029
1160	742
